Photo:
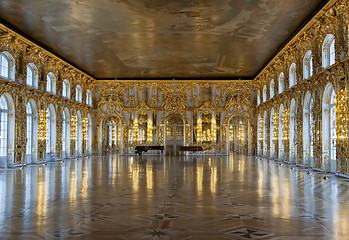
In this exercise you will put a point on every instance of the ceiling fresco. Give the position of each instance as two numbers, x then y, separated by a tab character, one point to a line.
136	39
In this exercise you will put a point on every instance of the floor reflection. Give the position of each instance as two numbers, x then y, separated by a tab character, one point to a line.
203	197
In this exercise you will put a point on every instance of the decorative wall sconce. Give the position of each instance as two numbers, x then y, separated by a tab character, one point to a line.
73	127
42	125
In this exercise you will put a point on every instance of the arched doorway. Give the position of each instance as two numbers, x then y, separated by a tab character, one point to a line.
238	134
112	134
174	134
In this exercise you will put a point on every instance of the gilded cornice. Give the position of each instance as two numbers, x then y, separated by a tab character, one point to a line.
36	54
318	24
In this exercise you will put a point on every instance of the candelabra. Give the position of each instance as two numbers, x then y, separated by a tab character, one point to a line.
84	128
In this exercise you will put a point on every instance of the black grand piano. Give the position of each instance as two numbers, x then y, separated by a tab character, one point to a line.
140	149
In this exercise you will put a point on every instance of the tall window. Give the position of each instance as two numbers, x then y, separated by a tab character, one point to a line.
328	51
258	97
265	93
272	86
32	75
32	132
66	89
7	65
88	97
66	133
292	75
329	128
50	130
292	131
51	83
308	65
78	142
281	82
78	94
89	134
308	130
29	129
3	127
333	134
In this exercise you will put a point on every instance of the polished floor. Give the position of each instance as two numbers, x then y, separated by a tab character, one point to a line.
153	197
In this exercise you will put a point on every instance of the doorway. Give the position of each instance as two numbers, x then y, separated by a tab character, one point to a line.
174	135
238	135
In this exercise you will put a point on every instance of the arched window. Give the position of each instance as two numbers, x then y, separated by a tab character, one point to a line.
32	132
78	142
51	83
7	65
89	97
32	75
292	75
66	89
281	82
293	148
258	97
308	130
329	129
281	130
265	93
272	138
272	86
50	132
308	65
7	126
89	135
328	51
78	94
66	134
